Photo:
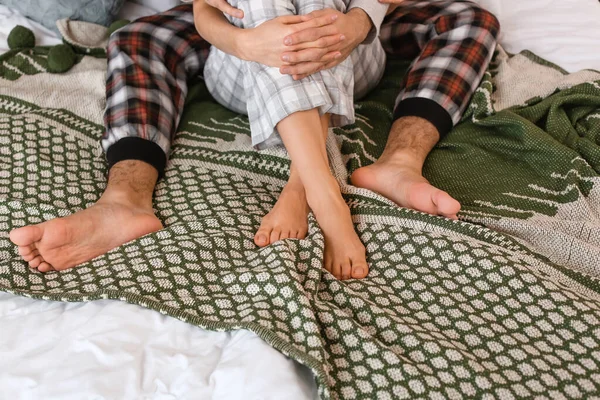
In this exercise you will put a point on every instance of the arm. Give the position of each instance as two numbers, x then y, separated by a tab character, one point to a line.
216	30
375	11
263	44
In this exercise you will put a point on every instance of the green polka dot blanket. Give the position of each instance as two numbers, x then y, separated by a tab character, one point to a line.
503	304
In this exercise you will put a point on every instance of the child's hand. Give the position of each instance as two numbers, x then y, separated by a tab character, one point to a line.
226	8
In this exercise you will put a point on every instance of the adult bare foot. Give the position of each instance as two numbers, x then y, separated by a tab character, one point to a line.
122	214
398	175
66	242
405	185
345	255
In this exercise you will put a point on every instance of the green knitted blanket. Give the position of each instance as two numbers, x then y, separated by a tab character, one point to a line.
504	303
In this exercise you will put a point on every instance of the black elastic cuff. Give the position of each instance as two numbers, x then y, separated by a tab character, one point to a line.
426	109
135	148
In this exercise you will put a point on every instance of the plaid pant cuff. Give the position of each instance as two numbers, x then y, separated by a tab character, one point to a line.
135	148
426	109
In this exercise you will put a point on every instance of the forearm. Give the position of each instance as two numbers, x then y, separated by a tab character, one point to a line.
361	23
372	14
216	29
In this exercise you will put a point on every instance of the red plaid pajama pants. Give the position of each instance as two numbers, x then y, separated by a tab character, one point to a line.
151	60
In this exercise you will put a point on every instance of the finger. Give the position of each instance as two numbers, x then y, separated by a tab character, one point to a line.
331	64
330	57
315	14
331	42
299	77
311	55
321	67
291	19
308	55
226	8
311	35
300	69
318	18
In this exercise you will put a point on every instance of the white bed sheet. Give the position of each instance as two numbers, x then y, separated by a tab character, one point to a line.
114	350
565	32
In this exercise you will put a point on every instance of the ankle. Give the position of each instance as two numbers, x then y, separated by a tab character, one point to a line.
294	189
402	160
126	197
325	196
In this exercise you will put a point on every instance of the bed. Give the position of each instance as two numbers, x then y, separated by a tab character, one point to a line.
413	330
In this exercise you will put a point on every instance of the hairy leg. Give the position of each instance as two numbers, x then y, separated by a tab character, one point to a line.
123	213
288	217
303	136
398	174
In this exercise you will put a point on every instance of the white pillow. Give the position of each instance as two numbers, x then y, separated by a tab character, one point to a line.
159	5
565	32
134	9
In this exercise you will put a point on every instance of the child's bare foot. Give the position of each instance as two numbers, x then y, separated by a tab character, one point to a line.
287	219
345	255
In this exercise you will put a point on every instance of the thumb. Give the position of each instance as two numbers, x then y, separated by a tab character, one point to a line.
226	8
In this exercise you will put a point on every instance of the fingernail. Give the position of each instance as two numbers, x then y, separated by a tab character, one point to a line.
285	70
334	17
338	55
286	58
287	41
343	37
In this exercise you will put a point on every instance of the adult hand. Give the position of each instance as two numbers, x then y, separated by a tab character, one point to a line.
324	46
265	43
226	8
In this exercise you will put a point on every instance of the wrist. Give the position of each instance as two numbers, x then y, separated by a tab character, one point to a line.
242	43
362	22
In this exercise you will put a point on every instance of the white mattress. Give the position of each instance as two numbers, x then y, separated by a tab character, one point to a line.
114	350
